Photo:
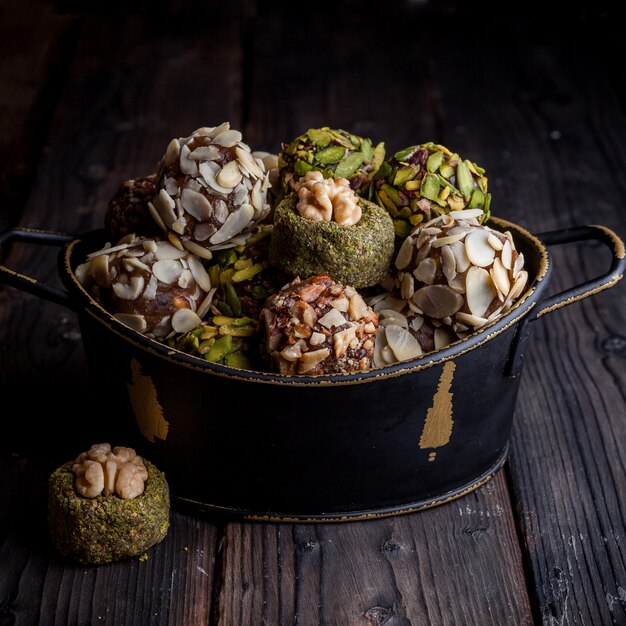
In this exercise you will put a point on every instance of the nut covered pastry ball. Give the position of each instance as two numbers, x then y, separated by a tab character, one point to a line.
318	326
210	190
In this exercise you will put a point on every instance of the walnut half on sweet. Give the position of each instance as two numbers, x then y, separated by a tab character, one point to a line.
328	200
101	470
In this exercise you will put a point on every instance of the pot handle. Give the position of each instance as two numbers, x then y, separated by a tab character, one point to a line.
27	283
595	285
573	294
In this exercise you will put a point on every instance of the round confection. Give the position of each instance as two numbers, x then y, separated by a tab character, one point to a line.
105	528
148	284
357	254
128	211
460	272
423	181
335	153
318	326
403	334
210	190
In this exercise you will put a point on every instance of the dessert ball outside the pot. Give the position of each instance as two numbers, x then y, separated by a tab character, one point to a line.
325	228
210	191
422	181
108	504
334	153
318	326
128	211
148	284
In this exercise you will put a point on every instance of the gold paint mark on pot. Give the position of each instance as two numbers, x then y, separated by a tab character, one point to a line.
438	425
148	411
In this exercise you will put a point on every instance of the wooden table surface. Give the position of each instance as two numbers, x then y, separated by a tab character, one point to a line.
539	100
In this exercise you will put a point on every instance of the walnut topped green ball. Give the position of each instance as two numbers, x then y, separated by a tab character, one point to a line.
420	182
335	153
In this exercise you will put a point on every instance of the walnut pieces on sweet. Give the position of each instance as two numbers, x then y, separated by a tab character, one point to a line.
328	200
102	471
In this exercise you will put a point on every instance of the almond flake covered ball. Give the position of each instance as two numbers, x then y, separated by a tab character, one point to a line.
318	326
149	285
460	272
210	190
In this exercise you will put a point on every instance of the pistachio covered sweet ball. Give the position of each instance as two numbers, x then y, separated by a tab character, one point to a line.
422	181
325	228
334	153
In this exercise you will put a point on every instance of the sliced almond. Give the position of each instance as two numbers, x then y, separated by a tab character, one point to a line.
500	277
156	217
136	322
448	263
171	187
518	285
227	138
248	162
317	338
197	249
402	343
167	271
229	176
479	252
208	171
130	291
426	270
164	204
196	205
200	275
184	280
443	337
205	153
471	320
151	288
466	214
518	265
166	251
205	305
460	256
187	166
234	224
203	231
99	268
405	254
447	240
438	301
179	225
172	152
480	290
407	287
507	255
185	320
495	242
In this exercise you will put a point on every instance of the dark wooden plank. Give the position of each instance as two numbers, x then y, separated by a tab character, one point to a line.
34	52
547	133
434	567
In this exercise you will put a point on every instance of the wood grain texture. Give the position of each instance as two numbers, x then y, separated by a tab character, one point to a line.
34	51
425	568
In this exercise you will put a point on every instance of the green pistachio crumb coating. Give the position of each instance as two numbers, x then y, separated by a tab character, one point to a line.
357	255
99	530
420	182
334	152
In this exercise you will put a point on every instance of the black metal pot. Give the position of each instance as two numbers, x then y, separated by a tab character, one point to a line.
272	447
